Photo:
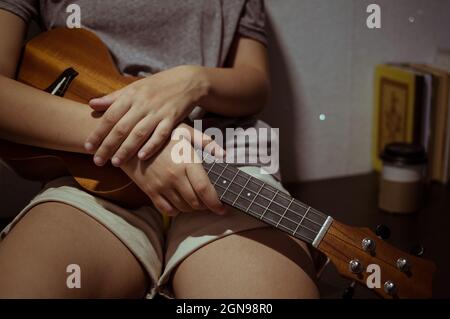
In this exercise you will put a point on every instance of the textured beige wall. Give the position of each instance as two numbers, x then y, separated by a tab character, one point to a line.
323	57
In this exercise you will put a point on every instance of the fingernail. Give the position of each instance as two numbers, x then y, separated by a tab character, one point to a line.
116	161
98	160
89	146
142	154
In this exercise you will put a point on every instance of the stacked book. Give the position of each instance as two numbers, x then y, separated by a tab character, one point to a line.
412	104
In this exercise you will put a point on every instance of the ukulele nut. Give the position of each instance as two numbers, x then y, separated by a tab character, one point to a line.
368	245
390	287
355	266
403	265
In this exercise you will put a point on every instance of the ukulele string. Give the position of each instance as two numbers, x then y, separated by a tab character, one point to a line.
287	208
281	218
281	194
268	209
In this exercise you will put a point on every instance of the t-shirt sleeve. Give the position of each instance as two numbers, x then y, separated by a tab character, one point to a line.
253	21
25	9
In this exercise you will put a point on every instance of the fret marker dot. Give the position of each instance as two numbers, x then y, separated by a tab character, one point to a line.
224	182
248	194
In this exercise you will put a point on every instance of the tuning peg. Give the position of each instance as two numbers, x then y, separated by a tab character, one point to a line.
403	265
383	231
417	250
390	288
349	291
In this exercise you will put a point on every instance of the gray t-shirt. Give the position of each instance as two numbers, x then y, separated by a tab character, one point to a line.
146	37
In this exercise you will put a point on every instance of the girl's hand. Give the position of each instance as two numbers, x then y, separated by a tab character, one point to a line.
140	117
175	186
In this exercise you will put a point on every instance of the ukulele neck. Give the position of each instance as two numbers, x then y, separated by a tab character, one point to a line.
267	203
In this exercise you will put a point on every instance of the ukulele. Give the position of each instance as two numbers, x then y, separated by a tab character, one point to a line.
75	64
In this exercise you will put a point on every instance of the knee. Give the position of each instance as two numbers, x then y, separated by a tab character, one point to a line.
253	264
35	256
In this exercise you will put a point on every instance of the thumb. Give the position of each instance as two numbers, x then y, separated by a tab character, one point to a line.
103	103
202	141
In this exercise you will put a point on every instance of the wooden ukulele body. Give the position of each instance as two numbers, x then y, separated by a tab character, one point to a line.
44	59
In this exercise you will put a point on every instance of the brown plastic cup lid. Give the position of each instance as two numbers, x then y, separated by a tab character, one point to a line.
404	154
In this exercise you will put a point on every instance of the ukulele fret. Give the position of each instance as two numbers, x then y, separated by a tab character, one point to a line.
303	217
270	203
257	194
285	211
220	175
242	189
229	184
209	170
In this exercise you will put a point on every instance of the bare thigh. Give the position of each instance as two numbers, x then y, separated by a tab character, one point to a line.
35	255
259	263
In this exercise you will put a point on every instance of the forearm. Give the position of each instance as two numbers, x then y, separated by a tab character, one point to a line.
36	118
234	92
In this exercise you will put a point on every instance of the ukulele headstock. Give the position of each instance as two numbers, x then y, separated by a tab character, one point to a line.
360	255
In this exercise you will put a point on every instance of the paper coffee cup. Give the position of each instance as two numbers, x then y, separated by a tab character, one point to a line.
402	178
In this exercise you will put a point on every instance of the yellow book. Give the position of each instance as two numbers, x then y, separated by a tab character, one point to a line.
396	106
442	60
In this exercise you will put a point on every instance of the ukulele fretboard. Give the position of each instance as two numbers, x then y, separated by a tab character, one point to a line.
267	203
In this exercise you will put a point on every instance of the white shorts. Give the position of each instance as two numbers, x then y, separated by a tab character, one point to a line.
142	230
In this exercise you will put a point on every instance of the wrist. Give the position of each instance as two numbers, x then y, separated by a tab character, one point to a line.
200	83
